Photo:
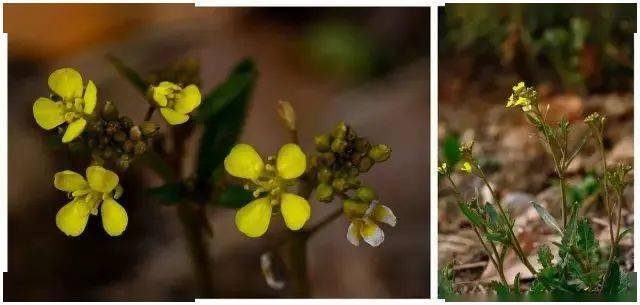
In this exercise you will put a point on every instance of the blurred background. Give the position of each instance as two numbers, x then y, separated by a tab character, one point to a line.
366	66
580	59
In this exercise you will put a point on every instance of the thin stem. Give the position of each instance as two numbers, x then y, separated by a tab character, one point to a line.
327	220
603	162
193	228
619	222
149	113
564	201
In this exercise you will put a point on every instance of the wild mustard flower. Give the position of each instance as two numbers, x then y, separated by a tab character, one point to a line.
176	102
99	190
522	96
363	217
466	167
75	104
442	169
270	182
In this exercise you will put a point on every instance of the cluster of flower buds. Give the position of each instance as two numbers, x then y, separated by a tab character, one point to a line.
523	96
116	139
343	156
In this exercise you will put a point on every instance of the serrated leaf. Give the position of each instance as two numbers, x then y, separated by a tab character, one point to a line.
471	215
492	213
546	217
222	130
234	197
545	258
129	73
612	282
169	194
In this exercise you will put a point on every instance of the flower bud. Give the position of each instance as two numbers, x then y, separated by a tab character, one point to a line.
324	192
365	164
340	131
353	182
380	153
356	157
140	148
328	158
338	145
353	208
108	153
135	133
124	161
366	194
120	136
112	128
351	134
323	143
126	122
339	184
128	145
362	145
109	111
324	174
287	114
149	128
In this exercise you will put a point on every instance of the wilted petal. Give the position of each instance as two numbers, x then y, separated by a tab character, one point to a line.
244	162
66	83
353	233
291	162
371	233
295	210
72	218
48	114
101	179
114	217
69	181
382	213
253	219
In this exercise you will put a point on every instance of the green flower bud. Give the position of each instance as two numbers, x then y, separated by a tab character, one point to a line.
140	148
124	161
380	153
339	184
149	129
338	145
351	134
126	122
135	133
128	145
109	111
365	164
324	192
324	174
328	158
108	153
366	194
353	208
323	143
356	157
362	145
353	182
340	131
112	128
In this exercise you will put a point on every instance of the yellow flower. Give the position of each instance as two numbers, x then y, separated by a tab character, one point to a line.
442	169
99	190
176	102
74	106
363	224
466	167
244	162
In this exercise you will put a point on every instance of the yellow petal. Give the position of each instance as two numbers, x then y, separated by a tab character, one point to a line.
466	167
291	161
253	219
66	83
101	179
188	99
74	130
383	213
48	114
295	210
244	162
72	218
69	181
161	91
90	97
353	233
173	117
371	233
114	217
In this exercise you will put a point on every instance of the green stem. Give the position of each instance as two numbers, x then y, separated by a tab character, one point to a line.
149	113
564	201
201	261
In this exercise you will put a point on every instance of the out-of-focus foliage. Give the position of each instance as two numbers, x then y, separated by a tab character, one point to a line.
585	47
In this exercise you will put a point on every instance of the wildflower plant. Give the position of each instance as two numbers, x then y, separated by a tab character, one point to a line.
227	174
579	266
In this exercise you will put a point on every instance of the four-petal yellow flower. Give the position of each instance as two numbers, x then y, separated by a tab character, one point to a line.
176	102
76	104
99	190
271	187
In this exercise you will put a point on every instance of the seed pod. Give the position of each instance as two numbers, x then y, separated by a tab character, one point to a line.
362	145
109	111
366	194
324	192
140	148
380	153
149	129
135	133
365	164
340	131
338	145
324	174
323	143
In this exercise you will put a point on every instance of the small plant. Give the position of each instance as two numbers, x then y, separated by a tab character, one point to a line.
258	188
579	266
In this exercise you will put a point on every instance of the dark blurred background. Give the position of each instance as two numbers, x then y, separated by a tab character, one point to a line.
366	66
579	57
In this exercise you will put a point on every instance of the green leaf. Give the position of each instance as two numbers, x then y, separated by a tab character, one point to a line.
500	288
130	74
492	213
169	194
545	258
624	233
158	165
612	282
516	284
234	197
241	80
451	149
546	217
471	214
223	128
